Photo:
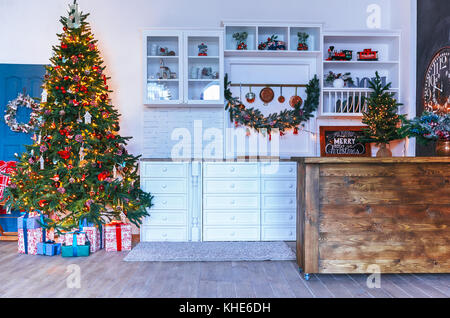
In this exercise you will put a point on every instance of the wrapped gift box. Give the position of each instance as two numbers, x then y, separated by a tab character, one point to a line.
75	251
95	236
31	222
69	237
28	240
5	168
48	248
117	237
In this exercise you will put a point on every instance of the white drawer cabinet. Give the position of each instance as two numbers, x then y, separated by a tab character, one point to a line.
221	201
168	183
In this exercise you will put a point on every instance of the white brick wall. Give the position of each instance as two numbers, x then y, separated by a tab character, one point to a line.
159	124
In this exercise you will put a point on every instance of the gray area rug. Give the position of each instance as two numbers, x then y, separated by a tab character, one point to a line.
210	252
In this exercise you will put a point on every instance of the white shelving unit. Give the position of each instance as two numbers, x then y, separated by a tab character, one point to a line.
259	32
198	80
349	101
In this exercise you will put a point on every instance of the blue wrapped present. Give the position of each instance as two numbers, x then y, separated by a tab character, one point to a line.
31	222
49	248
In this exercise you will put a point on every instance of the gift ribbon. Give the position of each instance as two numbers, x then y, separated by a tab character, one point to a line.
25	232
74	245
85	224
44	250
118	225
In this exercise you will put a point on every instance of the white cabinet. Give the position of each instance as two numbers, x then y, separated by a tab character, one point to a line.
168	182
183	67
220	201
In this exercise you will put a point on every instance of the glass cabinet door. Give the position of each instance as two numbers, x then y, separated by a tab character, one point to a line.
204	68
164	78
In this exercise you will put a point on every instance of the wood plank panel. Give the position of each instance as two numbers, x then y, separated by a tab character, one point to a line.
311	219
386	170
437	212
301	175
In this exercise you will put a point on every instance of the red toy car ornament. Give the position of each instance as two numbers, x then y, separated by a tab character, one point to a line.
368	55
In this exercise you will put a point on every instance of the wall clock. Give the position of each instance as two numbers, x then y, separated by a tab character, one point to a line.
436	90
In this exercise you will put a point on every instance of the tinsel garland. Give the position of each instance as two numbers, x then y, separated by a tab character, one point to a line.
283	121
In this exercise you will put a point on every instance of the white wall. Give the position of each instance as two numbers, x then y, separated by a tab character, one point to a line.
28	30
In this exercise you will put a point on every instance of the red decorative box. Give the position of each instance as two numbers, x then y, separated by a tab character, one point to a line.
117	237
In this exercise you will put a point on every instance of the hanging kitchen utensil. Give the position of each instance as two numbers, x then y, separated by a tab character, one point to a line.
266	95
294	100
281	98
250	96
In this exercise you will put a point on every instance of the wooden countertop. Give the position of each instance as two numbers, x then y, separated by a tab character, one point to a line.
347	160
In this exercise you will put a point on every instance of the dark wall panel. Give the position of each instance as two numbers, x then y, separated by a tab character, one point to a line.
433	33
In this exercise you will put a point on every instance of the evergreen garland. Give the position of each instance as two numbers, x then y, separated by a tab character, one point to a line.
285	120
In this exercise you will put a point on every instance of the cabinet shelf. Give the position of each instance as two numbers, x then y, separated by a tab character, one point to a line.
204	57
261	53
360	62
162	57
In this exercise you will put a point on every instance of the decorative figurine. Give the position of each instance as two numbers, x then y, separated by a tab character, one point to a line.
164	51
165	72
343	55
202	49
241	39
302	38
368	55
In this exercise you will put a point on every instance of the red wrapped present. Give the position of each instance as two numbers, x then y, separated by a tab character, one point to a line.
28	240
5	168
117	236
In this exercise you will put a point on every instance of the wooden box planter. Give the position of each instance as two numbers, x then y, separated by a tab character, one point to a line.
356	212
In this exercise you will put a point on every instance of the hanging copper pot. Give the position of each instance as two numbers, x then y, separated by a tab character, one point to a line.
294	100
281	98
250	96
266	95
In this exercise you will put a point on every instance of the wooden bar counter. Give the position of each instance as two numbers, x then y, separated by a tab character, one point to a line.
356	212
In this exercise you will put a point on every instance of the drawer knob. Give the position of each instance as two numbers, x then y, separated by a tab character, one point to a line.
233	202
164	169
291	169
164	186
291	201
165	218
233	218
164	235
233	233
290	233
164	202
291	186
232	186
291	217
232	169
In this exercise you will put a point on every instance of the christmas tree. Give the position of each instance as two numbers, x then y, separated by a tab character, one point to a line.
78	167
381	117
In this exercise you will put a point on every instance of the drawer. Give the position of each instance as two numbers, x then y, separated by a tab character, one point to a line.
278	233
164	185
271	217
231	218
231	170
166	219
158	234
230	202
279	169
163	170
273	185
231	234
169	202
230	186
283	202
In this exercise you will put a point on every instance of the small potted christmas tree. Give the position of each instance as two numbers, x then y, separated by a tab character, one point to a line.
302	39
382	120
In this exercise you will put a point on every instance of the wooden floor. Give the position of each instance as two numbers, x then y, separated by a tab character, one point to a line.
107	275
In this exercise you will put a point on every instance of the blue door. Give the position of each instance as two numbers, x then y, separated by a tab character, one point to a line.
15	79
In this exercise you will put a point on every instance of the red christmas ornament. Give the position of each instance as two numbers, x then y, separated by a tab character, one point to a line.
64	154
64	46
295	131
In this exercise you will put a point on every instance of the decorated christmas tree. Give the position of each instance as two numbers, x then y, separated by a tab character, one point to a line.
381	117
78	167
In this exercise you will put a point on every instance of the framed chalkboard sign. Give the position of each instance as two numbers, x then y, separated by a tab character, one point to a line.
341	141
